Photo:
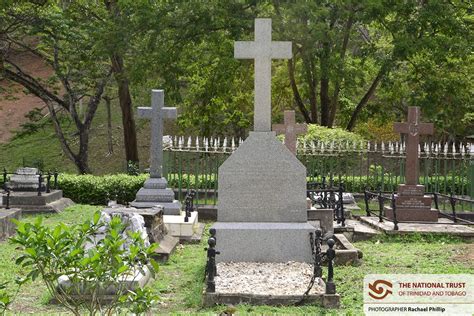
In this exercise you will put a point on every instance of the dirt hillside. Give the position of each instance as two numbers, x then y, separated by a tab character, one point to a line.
14	103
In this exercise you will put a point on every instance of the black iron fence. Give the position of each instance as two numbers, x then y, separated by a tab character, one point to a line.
384	198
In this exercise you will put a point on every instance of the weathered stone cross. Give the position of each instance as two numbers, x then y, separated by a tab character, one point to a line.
156	113
290	129
263	50
414	129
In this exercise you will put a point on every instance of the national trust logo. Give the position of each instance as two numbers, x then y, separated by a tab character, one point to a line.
379	289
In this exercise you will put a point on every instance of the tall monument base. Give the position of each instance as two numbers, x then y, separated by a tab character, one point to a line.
262	204
412	204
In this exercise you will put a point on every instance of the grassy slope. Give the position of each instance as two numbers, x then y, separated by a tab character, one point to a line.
43	145
180	281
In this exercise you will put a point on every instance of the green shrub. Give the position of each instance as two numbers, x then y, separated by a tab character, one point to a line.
327	135
53	253
97	190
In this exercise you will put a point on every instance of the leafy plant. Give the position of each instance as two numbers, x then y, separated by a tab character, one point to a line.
7	295
77	268
327	135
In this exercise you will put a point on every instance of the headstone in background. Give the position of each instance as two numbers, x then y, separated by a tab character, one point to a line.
291	130
24	179
262	185
155	191
24	186
411	202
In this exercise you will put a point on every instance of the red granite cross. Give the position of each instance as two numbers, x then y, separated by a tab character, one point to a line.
290	129
414	129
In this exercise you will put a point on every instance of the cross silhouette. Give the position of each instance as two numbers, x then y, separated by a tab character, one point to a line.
262	50
291	130
413	128
157	113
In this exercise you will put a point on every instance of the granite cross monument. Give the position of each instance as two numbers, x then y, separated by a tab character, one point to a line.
263	50
157	113
291	130
154	191
411	202
262	214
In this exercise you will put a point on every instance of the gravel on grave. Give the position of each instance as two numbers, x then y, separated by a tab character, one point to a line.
291	278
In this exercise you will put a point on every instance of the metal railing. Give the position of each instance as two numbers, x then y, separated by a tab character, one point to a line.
194	164
389	197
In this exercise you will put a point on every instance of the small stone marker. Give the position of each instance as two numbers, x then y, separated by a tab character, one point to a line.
24	179
157	113
291	130
155	191
411	203
262	186
263	50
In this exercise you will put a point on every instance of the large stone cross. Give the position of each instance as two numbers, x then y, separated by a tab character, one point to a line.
263	50
290	129
156	113
414	129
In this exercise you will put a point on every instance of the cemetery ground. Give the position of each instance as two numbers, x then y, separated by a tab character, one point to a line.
180	283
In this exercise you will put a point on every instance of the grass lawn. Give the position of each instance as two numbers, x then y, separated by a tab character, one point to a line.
180	280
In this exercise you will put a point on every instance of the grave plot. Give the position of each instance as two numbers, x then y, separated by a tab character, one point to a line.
262	217
32	192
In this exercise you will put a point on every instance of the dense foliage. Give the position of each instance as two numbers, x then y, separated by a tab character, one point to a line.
98	190
53	253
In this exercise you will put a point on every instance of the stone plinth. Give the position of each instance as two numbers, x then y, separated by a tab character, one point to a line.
262	204
263	242
412	205
7	228
30	202
155	192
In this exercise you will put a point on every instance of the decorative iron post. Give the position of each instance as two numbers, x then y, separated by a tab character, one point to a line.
318	270
341	205
452	201
435	196
394	209
330	254
211	265
48	183
7	206
380	198
366	199
187	206
55	179
40	181
5	177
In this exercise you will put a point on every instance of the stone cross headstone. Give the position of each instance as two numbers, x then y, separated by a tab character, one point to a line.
413	128
154	191
411	202
263	50
291	130
157	113
262	186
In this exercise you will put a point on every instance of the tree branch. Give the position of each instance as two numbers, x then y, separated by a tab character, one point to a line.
296	93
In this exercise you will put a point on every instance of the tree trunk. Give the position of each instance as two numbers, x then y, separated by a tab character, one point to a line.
125	100
110	145
296	93
324	88
367	97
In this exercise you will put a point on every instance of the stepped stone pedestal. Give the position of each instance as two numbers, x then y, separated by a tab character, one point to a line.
155	192
412	204
262	204
24	185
